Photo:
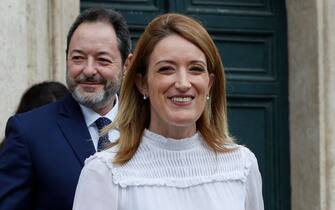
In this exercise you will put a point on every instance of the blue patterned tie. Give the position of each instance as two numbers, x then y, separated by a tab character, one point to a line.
103	140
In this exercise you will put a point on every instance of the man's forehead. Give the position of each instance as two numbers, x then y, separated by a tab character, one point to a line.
102	25
94	32
94	29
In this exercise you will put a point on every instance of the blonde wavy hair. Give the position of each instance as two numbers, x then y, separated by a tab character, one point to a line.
134	112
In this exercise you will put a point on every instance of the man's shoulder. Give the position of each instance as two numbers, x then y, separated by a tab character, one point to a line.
41	112
44	115
52	109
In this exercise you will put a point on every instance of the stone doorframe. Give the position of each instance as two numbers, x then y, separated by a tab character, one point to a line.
311	43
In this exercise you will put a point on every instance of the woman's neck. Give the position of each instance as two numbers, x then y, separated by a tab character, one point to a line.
175	132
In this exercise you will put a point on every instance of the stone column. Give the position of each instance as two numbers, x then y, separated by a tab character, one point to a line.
312	103
62	14
13	57
328	81
32	40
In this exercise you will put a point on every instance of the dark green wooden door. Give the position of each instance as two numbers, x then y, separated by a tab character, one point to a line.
251	36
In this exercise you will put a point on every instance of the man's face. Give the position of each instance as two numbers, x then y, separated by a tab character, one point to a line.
94	66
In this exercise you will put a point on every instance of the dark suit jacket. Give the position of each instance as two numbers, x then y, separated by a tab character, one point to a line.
42	157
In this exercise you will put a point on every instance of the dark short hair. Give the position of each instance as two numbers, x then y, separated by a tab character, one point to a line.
41	94
115	19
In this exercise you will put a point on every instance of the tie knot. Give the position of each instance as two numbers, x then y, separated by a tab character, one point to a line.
102	122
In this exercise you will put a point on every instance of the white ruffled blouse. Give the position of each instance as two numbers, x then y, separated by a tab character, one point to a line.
171	174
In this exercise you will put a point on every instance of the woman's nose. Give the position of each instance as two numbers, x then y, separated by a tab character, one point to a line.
182	81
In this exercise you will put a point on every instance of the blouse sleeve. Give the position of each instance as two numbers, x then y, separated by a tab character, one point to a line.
254	198
95	189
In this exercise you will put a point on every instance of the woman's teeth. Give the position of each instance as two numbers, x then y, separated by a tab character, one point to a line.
181	99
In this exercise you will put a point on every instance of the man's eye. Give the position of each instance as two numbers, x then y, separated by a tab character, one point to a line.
104	61
77	59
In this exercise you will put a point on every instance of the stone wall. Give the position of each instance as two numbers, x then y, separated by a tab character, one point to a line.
32	40
311	45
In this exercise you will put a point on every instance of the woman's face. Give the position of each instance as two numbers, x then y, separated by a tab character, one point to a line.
177	84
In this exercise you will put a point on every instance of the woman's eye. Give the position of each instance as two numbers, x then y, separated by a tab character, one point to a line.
165	69
197	69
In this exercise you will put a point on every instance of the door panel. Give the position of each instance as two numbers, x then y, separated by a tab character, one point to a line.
137	12
246	56
252	39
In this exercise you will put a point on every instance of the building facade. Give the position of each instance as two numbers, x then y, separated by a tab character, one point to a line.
32	50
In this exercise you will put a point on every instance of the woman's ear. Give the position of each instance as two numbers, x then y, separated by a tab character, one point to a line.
211	81
141	84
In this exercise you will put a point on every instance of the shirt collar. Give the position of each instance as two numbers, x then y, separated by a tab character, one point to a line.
91	116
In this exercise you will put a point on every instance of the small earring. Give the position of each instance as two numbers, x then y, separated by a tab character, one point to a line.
207	97
145	97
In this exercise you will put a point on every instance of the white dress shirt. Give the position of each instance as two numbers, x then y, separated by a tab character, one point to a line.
90	117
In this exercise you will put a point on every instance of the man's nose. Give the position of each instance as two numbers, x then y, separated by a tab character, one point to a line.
90	68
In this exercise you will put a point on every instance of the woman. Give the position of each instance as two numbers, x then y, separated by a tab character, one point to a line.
174	150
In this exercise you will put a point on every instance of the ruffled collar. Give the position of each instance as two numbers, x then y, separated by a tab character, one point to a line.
170	143
161	161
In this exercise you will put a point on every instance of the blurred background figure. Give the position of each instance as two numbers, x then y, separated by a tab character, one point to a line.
41	94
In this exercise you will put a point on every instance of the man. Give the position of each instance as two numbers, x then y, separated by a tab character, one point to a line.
45	149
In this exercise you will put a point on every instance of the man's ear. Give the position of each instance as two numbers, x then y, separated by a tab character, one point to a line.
126	63
141	84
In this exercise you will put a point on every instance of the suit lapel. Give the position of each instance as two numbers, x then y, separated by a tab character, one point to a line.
73	126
